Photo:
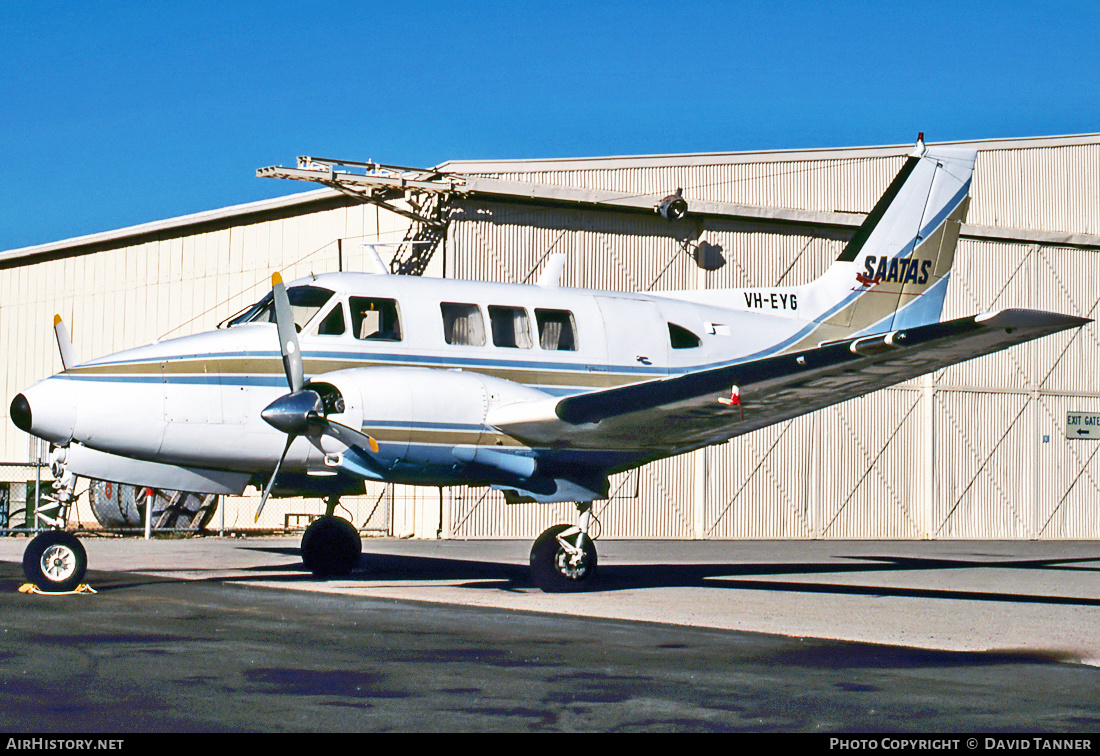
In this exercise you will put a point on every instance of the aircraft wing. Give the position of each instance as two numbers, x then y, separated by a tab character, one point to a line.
684	412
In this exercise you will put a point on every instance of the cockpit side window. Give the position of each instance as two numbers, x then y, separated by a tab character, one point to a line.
682	338
305	302
375	319
333	323
557	330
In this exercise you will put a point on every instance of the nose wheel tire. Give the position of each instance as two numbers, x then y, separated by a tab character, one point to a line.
331	547
55	561
558	568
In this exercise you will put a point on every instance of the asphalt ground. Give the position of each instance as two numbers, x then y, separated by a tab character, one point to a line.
232	635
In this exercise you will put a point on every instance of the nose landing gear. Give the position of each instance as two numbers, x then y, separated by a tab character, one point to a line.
55	561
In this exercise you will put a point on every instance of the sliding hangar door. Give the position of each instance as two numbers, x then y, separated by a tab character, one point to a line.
979	450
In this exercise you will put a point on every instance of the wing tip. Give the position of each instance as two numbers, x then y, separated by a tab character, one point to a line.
1022	318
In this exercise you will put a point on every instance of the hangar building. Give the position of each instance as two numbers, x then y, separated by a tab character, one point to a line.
980	450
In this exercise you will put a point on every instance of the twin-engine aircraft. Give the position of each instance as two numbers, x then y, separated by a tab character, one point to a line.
540	391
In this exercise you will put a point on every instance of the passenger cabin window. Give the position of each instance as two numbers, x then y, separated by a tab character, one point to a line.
305	302
462	324
374	319
682	338
557	331
511	327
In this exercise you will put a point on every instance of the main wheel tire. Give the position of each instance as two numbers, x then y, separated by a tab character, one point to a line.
331	547
55	561
552	568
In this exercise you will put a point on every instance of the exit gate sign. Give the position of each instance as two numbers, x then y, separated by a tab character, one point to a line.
1083	425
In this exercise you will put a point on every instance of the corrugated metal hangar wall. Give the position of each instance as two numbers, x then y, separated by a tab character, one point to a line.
975	451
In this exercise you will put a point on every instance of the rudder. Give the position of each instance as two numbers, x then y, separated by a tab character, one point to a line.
894	272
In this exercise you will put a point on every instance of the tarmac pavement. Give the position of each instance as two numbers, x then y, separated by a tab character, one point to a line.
1033	596
232	635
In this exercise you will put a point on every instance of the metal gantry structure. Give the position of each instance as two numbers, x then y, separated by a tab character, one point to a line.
421	195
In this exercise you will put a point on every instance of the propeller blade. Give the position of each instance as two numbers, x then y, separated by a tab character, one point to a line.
350	436
288	335
300	412
271	483
68	355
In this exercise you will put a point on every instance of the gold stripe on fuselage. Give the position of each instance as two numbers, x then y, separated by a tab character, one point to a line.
582	376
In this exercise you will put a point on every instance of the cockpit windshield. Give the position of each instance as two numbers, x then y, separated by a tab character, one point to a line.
305	301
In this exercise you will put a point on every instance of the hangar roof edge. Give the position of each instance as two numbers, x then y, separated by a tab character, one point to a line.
541	164
752	156
167	224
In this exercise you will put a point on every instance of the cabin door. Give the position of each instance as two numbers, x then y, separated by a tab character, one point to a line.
637	336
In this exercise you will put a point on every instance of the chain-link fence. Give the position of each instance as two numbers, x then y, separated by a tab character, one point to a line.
109	507
22	487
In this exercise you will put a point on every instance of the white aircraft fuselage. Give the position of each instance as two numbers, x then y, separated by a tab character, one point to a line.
196	401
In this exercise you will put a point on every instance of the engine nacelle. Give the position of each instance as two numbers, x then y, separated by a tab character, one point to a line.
427	421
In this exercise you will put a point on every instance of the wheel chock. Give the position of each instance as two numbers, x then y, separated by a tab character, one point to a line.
32	588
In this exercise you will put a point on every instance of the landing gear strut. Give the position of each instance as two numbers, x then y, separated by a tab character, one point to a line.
331	546
563	558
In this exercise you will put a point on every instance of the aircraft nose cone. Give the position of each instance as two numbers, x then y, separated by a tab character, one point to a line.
20	413
54	415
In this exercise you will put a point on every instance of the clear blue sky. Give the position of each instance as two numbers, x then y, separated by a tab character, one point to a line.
118	113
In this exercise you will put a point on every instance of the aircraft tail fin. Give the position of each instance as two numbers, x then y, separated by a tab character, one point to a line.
895	270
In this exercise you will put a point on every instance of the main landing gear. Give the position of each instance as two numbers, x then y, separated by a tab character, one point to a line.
331	546
563	558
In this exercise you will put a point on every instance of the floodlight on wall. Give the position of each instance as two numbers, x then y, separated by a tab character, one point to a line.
673	207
